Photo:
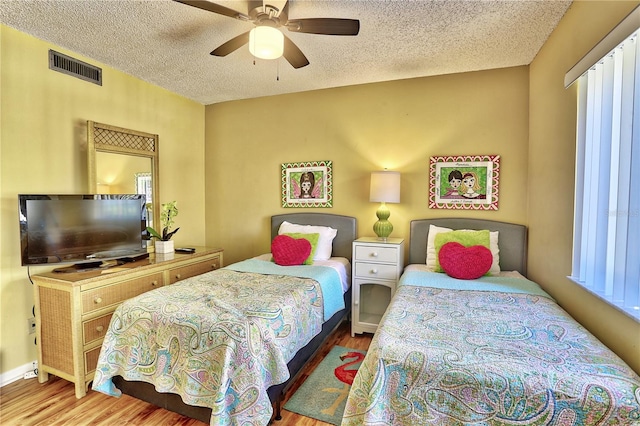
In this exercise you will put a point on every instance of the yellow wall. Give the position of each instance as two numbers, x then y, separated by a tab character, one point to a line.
43	147
397	124
523	114
551	173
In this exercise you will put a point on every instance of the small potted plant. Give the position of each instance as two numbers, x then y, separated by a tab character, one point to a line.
163	243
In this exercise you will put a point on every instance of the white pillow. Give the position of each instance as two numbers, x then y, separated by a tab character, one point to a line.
325	241
431	248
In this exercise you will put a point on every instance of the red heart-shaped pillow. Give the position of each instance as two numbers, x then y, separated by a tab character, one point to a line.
465	263
287	251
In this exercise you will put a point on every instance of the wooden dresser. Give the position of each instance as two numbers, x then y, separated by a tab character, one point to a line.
73	310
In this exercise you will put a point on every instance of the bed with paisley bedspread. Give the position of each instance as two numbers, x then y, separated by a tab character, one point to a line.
229	340
496	350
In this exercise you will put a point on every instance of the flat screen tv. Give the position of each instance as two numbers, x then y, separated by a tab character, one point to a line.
83	230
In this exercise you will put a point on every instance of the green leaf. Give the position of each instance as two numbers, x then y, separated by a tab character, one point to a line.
167	235
153	233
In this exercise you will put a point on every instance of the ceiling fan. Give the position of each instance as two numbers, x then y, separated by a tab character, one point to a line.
269	18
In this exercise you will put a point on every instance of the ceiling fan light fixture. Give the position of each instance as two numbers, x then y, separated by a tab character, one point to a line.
266	42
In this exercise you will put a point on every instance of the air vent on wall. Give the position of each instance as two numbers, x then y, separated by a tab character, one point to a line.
71	66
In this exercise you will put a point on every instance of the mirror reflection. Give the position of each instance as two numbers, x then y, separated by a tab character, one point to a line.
123	161
116	173
124	174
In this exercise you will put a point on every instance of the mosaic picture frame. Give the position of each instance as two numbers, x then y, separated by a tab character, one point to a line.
307	184
464	182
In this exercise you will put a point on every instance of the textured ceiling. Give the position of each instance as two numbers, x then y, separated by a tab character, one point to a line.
168	43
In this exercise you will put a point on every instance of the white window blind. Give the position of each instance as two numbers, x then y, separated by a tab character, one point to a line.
606	246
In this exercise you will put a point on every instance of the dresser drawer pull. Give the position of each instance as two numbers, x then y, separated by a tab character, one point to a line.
154	283
178	276
97	300
374	271
99	329
374	254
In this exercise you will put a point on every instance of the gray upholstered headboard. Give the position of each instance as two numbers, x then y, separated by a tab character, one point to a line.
512	240
345	225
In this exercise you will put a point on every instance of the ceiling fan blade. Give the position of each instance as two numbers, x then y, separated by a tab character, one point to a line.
232	45
283	16
215	8
326	26
293	54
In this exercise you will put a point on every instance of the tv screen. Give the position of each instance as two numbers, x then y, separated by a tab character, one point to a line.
81	229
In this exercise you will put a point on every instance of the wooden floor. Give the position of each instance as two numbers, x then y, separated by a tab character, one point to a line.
27	402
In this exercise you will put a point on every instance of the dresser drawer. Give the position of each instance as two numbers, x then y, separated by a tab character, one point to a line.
102	297
376	270
376	254
95	329
91	360
192	270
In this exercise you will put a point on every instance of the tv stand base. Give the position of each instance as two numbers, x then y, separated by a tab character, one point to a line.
82	267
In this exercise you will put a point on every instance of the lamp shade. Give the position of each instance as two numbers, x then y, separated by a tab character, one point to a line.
266	42
385	187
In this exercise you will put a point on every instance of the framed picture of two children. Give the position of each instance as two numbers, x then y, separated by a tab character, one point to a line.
464	182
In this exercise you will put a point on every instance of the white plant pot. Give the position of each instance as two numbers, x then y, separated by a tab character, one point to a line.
164	246
163	257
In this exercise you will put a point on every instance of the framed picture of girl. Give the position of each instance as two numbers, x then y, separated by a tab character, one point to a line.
464	182
307	184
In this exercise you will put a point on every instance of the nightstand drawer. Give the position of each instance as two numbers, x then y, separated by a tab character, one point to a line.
376	254
102	297
376	270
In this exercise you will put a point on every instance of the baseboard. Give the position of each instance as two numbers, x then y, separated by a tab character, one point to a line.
16	374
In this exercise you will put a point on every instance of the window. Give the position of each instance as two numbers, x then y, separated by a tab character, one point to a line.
606	246
144	186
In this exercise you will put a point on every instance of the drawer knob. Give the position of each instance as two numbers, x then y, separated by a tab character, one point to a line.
356	302
374	254
97	300
99	329
374	271
154	283
178	276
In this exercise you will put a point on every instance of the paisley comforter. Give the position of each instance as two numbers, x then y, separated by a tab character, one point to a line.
218	340
452	352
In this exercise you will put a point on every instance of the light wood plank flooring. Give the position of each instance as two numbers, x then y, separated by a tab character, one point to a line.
29	403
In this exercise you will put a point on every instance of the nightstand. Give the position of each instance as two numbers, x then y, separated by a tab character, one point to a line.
377	266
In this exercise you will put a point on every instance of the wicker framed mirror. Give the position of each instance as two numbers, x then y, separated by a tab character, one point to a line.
118	157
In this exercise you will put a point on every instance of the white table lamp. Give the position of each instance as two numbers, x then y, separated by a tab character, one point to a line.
385	188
